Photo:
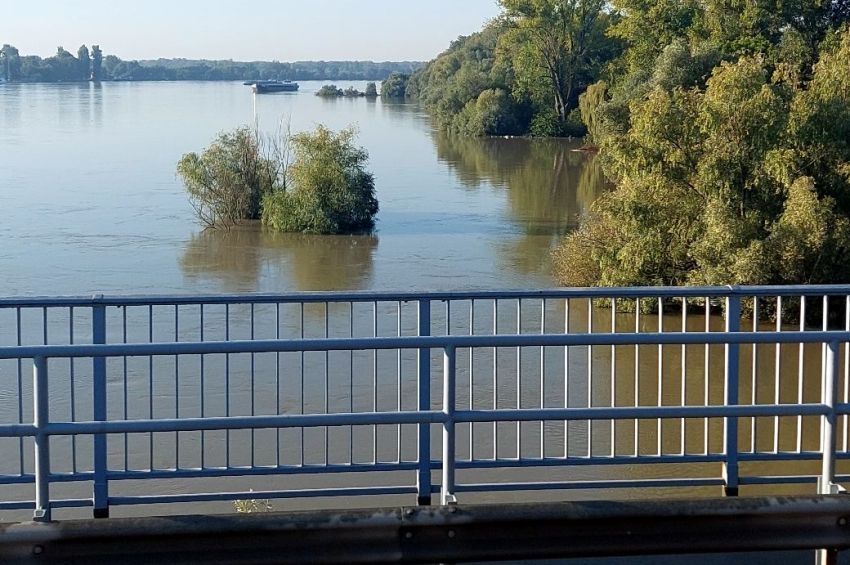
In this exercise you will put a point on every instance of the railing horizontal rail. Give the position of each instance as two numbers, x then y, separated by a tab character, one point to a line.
414	342
415	296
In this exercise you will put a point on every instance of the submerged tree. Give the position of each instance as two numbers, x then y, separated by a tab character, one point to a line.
226	183
743	181
328	188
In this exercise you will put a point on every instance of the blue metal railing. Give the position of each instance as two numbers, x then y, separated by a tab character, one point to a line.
333	385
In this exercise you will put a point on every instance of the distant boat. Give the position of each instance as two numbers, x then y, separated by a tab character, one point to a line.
266	86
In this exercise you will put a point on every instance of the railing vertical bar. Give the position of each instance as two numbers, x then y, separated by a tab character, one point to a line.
449	407
277	407
253	388
829	393
177	388
613	377
846	442
800	374
351	382
825	327
351	386
202	391
519	379
637	377
73	393
660	395
302	333
375	382
542	378
41	418
566	378
707	376
100	487
755	373
150	388
398	379
829	397
125	411
423	476
227	383
19	342
731	384
683	385
589	378
777	376
472	380
495	378
325	429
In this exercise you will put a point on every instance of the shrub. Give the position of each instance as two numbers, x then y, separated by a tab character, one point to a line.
371	90
330	91
226	183
395	86
328	188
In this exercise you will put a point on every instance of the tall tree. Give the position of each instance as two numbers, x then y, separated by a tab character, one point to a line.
84	62
96	62
11	62
554	41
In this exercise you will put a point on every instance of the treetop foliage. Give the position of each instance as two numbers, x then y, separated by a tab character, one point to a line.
726	128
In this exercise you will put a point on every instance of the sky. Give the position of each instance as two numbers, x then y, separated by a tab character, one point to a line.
283	30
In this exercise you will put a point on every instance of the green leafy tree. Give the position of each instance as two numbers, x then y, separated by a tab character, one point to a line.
395	86
745	180
328	188
84	60
330	91
96	63
553	44
11	62
226	183
371	90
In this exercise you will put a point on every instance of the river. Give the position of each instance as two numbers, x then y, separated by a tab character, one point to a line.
91	202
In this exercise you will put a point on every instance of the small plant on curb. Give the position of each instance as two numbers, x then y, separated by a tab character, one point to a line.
252	506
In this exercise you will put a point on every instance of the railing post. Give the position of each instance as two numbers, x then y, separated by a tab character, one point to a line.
41	417
423	477
829	392
447	489
730	428
100	488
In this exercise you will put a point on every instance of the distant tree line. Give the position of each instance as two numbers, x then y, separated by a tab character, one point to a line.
93	65
62	67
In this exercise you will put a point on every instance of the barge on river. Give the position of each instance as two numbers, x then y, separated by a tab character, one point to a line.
269	86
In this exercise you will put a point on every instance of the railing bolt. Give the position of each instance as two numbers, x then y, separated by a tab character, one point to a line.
409	512
451	533
38	550
842	522
452	509
408	535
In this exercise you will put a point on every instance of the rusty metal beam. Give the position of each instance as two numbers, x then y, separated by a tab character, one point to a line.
443	534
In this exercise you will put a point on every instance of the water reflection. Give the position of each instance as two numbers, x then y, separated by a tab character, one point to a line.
549	184
239	258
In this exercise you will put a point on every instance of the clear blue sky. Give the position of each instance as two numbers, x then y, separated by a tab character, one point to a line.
285	30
